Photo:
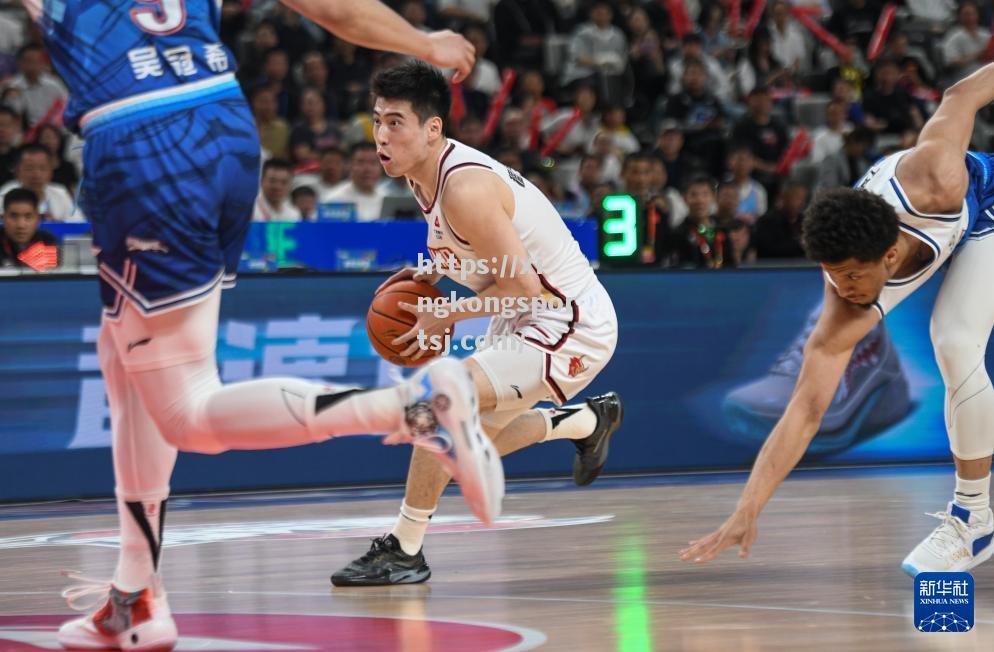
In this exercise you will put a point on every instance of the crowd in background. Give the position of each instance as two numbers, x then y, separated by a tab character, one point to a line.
723	139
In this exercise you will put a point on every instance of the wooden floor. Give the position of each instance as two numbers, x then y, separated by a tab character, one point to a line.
592	569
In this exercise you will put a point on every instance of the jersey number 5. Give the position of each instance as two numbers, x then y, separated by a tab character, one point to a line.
160	17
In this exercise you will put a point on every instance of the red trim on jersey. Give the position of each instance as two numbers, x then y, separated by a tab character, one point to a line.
438	179
441	189
572	322
553	385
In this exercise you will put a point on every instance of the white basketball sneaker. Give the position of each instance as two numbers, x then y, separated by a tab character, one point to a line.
962	541
443	417
126	621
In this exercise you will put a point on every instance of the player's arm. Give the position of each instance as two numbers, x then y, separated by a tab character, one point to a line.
828	349
371	24
473	206
934	173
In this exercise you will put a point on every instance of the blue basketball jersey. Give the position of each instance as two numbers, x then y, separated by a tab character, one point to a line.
110	50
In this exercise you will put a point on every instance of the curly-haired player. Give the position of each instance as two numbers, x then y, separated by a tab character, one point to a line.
877	243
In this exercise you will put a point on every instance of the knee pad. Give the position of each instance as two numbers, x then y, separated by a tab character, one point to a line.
969	403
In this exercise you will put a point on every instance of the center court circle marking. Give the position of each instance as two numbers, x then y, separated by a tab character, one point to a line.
338	528
234	632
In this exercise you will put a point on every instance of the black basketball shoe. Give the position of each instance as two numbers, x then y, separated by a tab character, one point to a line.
384	564
591	451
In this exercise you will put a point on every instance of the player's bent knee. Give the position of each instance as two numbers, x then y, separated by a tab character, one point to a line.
957	351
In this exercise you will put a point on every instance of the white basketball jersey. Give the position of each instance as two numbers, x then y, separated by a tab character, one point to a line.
941	233
563	268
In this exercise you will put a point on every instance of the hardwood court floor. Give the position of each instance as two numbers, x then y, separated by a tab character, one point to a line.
592	569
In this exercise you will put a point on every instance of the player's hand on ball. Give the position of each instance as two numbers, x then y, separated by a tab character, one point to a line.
412	274
451	50
427	323
740	529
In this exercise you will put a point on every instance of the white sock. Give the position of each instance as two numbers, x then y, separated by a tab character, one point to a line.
141	540
569	422
410	527
973	495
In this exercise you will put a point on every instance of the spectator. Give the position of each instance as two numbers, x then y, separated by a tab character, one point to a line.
826	139
598	52
292	33
727	204
465	11
12	32
582	187
660	187
530	90
778	233
846	167
485	77
273	203
699	241
963	47
314	132
276	77
787	39
11	128
351	70
274	134
759	67
34	172
714	35
856	20
752	197
305	200
416	14
670	150
843	90
331	172
888	107
234	19
900	48
20	227
614	124
251	58
636	176
604	149
521	27
39	93
314	74
699	115
740	243
64	172
584	131
716	79
645	53
470	132
765	135
362	188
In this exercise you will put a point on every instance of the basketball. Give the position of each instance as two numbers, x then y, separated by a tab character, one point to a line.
387	321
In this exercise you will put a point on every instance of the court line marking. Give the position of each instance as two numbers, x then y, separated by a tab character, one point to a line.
530	638
662	603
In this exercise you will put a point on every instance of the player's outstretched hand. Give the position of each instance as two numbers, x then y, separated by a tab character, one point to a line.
409	273
451	50
740	529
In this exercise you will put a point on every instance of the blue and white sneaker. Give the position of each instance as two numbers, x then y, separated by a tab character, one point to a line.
873	394
962	541
442	416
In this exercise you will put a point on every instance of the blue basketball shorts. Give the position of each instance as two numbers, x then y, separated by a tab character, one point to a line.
169	192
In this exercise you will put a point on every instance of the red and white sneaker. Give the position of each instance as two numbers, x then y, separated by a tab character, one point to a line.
126	621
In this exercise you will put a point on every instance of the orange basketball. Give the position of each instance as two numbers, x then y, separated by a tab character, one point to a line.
385	321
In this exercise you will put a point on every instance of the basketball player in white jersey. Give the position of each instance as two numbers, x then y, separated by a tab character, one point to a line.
877	243
157	351
481	211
